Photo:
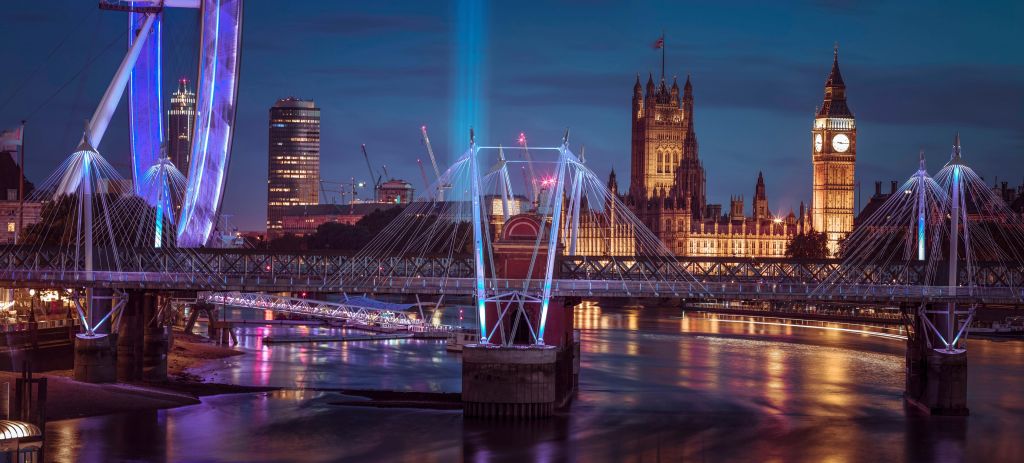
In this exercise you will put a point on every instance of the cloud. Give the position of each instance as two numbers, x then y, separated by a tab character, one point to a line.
975	95
542	89
365	25
28	17
849	7
969	95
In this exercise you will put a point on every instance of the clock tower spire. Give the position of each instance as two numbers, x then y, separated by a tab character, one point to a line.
833	154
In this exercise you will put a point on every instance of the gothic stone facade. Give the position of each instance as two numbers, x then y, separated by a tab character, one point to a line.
667	191
834	152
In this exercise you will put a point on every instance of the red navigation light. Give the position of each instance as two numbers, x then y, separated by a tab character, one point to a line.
522	138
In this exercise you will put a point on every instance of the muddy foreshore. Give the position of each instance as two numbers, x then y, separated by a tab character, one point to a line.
67	398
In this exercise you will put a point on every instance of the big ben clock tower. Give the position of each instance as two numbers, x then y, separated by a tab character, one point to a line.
834	152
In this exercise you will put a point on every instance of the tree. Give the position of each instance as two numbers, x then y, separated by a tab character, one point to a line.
119	222
340	236
810	245
288	242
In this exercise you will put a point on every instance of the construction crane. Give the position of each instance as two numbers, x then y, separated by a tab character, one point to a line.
433	162
342	189
423	172
324	191
529	167
430	151
369	168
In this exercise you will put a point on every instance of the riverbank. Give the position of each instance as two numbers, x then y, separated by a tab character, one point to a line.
401	399
67	398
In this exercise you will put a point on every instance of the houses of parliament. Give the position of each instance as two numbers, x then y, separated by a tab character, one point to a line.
667	191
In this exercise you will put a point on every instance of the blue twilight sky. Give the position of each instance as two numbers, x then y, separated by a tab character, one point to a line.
916	72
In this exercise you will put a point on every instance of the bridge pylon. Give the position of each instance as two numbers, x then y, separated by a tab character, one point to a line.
947	240
525	365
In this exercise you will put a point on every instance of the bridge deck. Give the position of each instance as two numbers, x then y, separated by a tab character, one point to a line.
748	290
720	278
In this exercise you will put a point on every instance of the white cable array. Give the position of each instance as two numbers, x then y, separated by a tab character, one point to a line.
119	245
433	236
887	248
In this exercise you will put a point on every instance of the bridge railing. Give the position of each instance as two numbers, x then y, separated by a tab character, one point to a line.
342	310
777	270
217	269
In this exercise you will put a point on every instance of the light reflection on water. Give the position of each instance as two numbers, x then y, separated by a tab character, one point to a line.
654	385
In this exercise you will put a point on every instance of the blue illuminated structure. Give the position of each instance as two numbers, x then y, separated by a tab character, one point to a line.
468	94
220	45
145	100
922	178
511	302
215	119
478	241
557	193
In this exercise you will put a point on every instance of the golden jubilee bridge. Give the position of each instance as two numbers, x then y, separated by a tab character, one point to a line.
721	278
507	227
518	229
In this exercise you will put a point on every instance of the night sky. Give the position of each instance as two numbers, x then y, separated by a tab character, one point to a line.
916	72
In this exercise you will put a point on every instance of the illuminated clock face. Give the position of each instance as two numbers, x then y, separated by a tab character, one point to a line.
840	143
817	143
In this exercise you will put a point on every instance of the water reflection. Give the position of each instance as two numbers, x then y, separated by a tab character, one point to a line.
654	386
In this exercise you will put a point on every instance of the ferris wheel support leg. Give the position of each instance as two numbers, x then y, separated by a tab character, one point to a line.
101	117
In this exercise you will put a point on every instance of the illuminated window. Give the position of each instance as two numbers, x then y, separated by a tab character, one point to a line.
10	227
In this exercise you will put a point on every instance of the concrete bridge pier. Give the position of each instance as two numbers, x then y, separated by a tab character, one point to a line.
524	381
508	381
137	352
156	340
936	381
129	339
96	353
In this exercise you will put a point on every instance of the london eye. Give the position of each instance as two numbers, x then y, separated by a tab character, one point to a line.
217	85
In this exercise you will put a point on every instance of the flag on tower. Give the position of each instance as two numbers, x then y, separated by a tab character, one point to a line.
660	44
10	139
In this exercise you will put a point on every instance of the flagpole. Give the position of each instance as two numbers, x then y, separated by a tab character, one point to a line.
21	185
662	55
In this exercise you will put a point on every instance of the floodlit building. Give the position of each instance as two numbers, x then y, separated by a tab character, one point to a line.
668	187
181	121
293	175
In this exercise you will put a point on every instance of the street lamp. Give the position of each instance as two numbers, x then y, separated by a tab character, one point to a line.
32	305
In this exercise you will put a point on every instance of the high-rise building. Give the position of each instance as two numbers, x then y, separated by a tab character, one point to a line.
833	153
293	174
181	120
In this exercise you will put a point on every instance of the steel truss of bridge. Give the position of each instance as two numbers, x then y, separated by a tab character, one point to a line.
719	278
351	312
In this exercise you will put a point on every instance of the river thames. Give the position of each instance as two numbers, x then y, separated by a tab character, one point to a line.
655	385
